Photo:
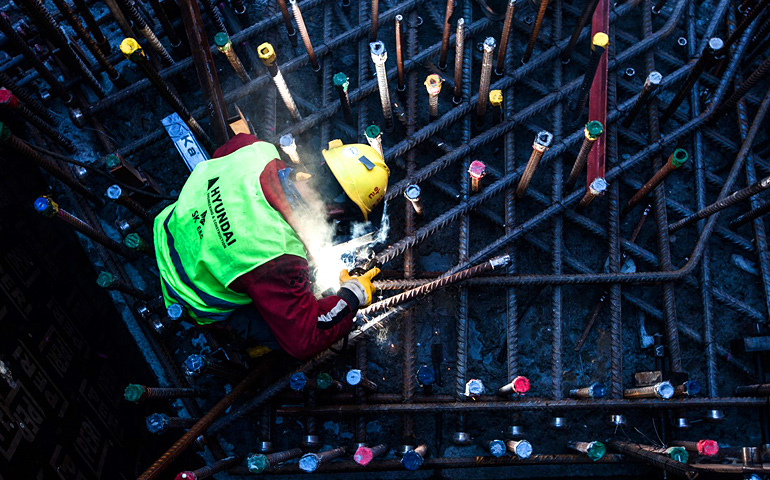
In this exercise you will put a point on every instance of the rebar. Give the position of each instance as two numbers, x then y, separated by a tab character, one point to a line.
446	32
414	458
433	86
598	46
117	195
159	423
751	215
588	11
133	51
662	390
138	20
476	171
258	462
168	27
373	136
379	57
675	160
267	56
705	447
595	390
597	188
542	142
93	26
758	390
648	89
744	87
535	31
310	462
341	84
364	455
714	52
502	51
137	393
591	133
400	52
412	193
9	102
304	34
484	80
196	365
224	45
374	16
210	470
459	53
289	147
286	15
593	450
109	281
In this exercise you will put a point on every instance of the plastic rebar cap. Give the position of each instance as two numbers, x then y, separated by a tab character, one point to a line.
286	140
489	43
597	390
372	131
377	49
222	40
134	392
664	390
266	53
195	363
599	186
523	449
596	450
655	77
111	161
309	462
544	138
521	385
497	448
433	84
593	129
474	387
5	132
133	241
174	311
692	387
114	192
323	381
679	157
477	169
363	455
8	99
341	80
130	47
105	279
496	98
186	476
157	423
353	377
716	43
426	376
707	448
257	463
413	192
411	460
678	454
601	40
46	206
298	381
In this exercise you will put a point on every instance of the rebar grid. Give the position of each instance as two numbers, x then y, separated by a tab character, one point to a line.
575	244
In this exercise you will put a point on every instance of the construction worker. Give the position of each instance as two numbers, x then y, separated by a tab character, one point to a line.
229	242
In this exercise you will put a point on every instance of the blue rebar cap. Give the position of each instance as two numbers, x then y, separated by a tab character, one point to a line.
298	381
426	376
411	460
195	363
497	448
597	390
309	462
157	423
693	387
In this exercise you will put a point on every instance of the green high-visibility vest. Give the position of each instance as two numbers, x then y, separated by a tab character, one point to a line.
220	228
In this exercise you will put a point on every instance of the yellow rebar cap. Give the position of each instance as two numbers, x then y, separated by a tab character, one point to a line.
129	46
601	40
496	98
266	53
433	84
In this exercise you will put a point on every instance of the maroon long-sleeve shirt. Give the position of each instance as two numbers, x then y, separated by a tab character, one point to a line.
281	289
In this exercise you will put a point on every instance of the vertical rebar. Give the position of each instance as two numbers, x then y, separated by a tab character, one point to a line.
289	147
341	83
267	56
168	27
93	26
459	49
486	75
450	5
433	86
379	57
591	132
502	51
375	16
400	52
598	45
224	45
650	86
138	20
304	34
540	145
287	22
585	14
675	160
373	136
535	30
412	193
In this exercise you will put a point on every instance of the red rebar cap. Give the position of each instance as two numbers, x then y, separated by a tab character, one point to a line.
477	169
8	99
363	455
707	448
186	476
521	384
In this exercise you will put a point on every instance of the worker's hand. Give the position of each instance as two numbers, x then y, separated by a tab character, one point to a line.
360	285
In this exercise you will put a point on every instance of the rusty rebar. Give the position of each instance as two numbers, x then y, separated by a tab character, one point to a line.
535	30
591	133
484	79
210	470
446	32
675	160
714	52
139	22
304	34
224	45
598	46
597	188
374	16
542	142
459	54
656	460
379	57
136	393
9	102
588	11
749	216
341	84
502	51
258	462
650	86
400	52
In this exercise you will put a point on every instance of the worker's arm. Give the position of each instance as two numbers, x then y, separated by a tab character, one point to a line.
302	325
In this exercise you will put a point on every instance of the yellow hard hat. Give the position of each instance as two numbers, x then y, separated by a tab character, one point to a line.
360	171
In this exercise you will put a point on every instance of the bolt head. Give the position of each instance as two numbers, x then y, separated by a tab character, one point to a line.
433	84
597	390
681	41
157	423
8	99
257	463
523	449
266	54
286	140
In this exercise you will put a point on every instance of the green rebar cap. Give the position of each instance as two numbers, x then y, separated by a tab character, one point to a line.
111	161
221	39
341	80
257	463
678	454
679	157
5	132
372	131
134	241
323	381
594	129
596	450
105	280
133	392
